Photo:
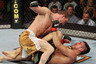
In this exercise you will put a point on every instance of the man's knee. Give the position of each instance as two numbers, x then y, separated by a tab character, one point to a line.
51	48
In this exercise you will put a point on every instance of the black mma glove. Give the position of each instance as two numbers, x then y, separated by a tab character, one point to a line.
34	4
55	25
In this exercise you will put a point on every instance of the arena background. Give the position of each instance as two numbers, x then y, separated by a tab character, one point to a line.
15	17
16	14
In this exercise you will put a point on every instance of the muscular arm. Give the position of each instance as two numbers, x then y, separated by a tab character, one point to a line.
47	37
64	50
40	10
50	36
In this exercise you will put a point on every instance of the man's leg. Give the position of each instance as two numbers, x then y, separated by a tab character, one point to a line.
48	48
15	53
47	51
12	54
18	58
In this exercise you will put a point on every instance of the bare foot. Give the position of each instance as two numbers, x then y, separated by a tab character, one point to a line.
11	54
2	59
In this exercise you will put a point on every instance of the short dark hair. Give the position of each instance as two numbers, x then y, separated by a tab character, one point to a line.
70	5
88	48
54	6
67	37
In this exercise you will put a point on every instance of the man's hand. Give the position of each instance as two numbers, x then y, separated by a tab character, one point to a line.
55	25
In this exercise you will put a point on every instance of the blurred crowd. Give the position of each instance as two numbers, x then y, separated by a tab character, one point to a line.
79	11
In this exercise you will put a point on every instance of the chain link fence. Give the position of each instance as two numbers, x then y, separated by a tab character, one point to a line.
5	14
28	17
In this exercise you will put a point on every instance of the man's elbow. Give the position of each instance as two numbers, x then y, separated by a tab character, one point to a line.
58	46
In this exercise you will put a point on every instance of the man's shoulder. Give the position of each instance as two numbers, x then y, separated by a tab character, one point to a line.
73	19
75	16
80	21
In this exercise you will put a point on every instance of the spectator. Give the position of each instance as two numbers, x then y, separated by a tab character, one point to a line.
82	4
90	8
79	8
72	17
86	20
55	2
54	9
72	2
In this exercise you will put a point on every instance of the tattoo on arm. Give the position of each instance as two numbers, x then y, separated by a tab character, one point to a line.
50	17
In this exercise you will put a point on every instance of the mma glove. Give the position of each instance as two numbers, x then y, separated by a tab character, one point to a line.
62	41
34	4
55	25
65	37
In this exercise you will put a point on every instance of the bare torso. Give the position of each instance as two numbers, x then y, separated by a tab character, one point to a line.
59	58
40	25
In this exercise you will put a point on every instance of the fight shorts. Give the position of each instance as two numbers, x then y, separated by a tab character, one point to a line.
29	43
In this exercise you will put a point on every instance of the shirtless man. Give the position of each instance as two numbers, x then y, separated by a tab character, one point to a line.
63	54
28	39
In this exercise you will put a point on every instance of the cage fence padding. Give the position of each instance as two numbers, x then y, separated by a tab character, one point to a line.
5	13
5	26
77	33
